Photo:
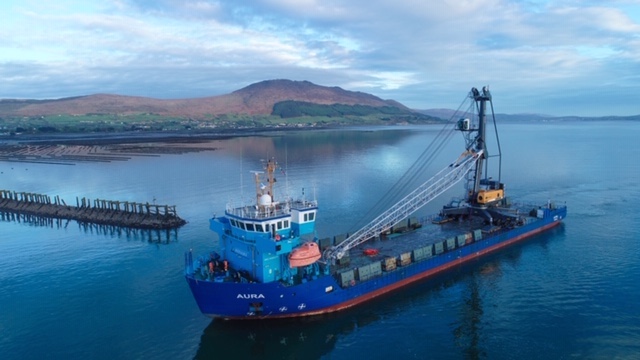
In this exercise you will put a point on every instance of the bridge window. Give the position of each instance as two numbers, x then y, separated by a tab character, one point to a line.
309	216
250	227
259	228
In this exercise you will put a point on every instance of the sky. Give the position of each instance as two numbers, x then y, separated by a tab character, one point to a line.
565	57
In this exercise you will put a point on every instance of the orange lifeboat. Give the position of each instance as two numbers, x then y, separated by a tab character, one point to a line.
305	255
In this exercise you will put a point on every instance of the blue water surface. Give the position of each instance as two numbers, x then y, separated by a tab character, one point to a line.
69	291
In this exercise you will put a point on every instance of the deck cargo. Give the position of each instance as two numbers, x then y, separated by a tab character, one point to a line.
389	263
347	278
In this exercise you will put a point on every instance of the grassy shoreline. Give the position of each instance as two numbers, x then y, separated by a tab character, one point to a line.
141	137
142	125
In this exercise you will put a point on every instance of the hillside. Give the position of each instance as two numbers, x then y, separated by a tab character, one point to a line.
255	99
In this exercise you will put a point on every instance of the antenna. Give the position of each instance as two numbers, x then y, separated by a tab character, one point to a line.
241	178
286	169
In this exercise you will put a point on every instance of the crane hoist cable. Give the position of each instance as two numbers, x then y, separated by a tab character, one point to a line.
422	195
407	181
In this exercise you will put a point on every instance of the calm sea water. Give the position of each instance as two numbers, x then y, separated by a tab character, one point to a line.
70	292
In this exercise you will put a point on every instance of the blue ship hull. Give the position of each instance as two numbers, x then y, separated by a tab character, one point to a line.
324	294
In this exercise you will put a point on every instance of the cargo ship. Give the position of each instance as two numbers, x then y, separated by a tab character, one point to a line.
270	262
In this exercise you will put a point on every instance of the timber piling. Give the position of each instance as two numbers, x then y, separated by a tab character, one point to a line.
104	212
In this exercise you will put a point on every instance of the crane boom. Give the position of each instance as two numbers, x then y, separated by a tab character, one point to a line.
426	192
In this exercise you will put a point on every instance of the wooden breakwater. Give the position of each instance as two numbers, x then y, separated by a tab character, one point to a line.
105	212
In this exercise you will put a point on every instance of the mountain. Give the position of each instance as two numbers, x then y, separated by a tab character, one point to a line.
255	99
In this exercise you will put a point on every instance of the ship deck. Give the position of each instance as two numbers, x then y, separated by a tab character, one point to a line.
404	239
430	232
395	244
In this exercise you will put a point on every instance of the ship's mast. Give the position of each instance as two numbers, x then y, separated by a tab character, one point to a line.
271	169
265	189
481	103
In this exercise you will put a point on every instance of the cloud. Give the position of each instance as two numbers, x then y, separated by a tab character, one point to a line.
423	54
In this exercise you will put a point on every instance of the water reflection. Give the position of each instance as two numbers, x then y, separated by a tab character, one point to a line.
289	339
310	147
467	333
156	236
